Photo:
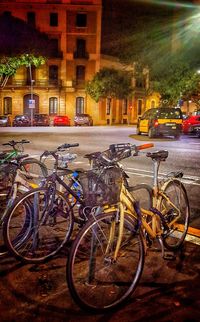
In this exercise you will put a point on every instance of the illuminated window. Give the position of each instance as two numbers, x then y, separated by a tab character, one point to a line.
53	105
108	106
79	105
80	74
7	105
124	106
53	74
139	107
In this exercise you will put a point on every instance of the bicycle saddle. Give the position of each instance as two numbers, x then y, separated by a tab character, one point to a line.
160	155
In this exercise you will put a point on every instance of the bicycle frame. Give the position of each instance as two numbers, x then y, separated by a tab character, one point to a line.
127	205
8	156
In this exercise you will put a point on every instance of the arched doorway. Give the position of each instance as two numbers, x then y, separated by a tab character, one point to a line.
27	110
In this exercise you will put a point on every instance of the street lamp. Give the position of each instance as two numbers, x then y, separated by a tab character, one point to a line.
31	101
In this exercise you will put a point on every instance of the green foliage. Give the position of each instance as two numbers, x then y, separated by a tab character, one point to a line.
143	33
111	83
9	65
176	81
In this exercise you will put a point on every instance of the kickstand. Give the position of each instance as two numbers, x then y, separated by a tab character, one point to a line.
166	254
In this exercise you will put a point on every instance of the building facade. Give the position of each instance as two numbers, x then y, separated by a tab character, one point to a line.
58	86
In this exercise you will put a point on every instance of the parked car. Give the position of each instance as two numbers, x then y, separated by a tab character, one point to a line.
83	119
195	128
161	121
21	120
62	120
189	122
41	120
5	120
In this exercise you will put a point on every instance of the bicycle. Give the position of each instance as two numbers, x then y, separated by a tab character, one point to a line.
106	259
43	218
12	160
18	174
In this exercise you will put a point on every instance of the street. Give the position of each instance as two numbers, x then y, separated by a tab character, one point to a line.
40	293
184	154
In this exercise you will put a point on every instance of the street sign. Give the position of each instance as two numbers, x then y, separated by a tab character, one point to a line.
31	103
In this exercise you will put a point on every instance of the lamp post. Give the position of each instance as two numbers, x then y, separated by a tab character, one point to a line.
31	101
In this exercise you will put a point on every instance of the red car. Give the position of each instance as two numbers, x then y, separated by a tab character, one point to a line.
189	122
62	120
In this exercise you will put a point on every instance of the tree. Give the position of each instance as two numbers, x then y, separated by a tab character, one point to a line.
21	45
9	65
109	83
177	81
143	34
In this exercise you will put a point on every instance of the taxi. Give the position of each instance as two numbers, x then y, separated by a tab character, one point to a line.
161	121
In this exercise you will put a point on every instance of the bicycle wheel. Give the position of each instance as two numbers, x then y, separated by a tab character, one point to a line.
96	280
176	213
38	225
35	169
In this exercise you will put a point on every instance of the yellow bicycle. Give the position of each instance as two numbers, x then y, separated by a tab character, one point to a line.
107	256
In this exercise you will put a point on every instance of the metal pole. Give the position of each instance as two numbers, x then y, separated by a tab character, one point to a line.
31	92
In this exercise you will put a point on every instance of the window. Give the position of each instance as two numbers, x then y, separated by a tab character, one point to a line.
53	74
124	106
31	18
7	105
81	20
80	74
139	107
108	106
54	47
53	19
79	105
80	48
53	105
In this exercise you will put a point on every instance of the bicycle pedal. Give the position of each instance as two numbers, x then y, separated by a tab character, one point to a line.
169	256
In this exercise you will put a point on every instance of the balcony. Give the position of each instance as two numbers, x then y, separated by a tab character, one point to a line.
81	55
16	83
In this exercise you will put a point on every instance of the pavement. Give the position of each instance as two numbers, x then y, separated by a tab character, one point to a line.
169	290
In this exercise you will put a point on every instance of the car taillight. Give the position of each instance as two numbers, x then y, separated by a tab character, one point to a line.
156	123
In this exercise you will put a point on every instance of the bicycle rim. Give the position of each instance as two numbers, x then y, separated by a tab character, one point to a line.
96	281
35	169
178	212
36	227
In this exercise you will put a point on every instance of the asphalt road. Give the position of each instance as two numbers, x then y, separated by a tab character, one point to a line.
169	290
184	154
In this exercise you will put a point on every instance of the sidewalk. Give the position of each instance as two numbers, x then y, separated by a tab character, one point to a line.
168	291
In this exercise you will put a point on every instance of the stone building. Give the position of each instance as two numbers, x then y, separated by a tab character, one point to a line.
58	87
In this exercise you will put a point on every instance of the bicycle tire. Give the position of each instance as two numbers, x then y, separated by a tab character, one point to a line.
35	169
47	229
113	281
176	192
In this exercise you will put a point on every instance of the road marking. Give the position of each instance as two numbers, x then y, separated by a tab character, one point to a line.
190	180
192	239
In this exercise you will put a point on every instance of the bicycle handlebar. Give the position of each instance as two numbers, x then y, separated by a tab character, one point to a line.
117	152
60	148
13	143
67	146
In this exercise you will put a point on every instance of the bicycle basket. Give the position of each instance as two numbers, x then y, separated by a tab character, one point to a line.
101	186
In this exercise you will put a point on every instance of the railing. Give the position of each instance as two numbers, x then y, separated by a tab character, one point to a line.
36	83
81	55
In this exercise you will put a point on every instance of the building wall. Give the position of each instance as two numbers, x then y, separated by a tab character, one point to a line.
66	32
67	90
